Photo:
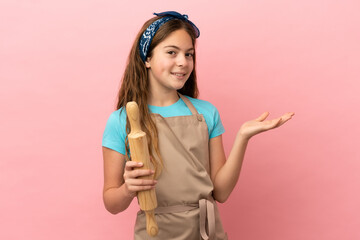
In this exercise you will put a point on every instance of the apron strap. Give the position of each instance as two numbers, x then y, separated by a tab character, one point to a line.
189	104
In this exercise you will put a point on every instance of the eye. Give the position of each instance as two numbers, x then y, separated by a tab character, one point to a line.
171	52
189	55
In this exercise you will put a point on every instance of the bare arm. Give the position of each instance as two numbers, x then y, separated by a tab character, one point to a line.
120	181
225	174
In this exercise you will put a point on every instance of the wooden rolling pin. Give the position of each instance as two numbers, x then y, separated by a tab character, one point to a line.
140	153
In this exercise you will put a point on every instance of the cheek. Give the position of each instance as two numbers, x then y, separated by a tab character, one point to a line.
163	66
191	66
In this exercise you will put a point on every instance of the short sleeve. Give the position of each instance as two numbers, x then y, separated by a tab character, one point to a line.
211	115
115	132
217	128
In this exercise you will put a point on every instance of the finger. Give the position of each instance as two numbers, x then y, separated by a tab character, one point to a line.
140	188
140	173
275	123
286	117
270	124
263	116
135	185
132	164
140	182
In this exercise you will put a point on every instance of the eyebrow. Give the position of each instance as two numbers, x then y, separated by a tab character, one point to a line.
176	47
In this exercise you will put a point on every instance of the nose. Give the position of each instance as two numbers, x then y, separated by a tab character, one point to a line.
181	60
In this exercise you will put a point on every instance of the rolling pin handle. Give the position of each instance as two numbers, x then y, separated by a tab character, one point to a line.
151	225
132	111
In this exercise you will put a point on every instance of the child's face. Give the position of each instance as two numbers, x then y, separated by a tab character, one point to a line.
171	62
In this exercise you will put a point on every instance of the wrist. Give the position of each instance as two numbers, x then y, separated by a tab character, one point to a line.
243	137
129	194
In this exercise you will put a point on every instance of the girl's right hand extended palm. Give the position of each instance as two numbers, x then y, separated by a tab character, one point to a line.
132	183
256	126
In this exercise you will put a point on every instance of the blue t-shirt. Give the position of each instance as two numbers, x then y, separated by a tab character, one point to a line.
115	130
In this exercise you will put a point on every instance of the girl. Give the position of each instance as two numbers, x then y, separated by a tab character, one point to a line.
190	172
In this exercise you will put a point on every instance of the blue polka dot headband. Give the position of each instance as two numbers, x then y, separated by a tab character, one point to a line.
149	33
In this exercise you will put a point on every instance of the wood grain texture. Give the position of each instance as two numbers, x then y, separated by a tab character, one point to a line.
140	153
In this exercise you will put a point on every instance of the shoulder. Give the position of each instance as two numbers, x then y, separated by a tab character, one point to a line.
117	118
211	115
115	132
118	114
202	106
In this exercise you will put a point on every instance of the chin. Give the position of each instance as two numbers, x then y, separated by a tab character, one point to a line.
179	87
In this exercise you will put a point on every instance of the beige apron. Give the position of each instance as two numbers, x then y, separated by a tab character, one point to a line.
186	209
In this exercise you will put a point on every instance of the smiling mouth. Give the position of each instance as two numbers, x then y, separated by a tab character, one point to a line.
179	74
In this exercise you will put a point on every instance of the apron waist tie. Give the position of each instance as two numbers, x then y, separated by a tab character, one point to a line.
207	215
207	212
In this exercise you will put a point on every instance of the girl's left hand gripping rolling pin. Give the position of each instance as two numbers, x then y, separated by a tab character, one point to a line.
140	153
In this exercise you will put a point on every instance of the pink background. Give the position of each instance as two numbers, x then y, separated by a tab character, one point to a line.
60	67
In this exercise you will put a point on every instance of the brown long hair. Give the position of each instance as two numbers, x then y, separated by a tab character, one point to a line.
135	85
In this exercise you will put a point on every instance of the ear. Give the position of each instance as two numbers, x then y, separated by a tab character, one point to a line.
147	63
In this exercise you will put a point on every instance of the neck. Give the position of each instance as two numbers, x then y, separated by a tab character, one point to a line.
164	99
